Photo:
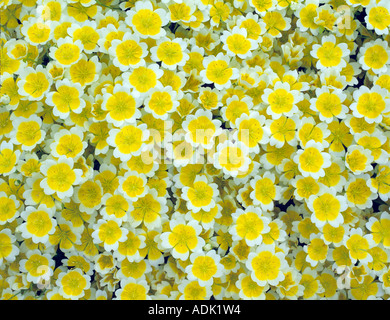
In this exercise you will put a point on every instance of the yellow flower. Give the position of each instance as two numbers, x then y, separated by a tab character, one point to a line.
34	83
379	229
66	98
378	17
358	193
37	32
326	207
204	267
317	251
312	160
359	245
375	56
275	23
330	54
148	210
67	51
133	290
183	238
249	225
8	251
232	158
109	233
170	53
147	21
38	223
87	34
266	265
128	140
8	158
128	52
363	290
370	103
201	195
218	71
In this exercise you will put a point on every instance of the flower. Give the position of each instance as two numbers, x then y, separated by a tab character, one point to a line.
265	192
182	238
147	21
109	233
201	129
86	33
148	210
204	267
161	102
66	99
219	12
9	250
143	78
378	17
249	289
121	106
131	289
281	100
358	194
192	290
375	56
335	235
85	71
68	143
329	53
8	208
38	223
201	195
358	159
370	103
89	194
37	32
37	266
115	206
60	176
128	141
379	230
34	83
128	52
133	185
358	246
282	130
305	187
171	53
232	158
218	71
251	131
316	250
266	265
312	161
310	283
67	51
8	158
235	108
327	207
73	284
329	104
129	248
237	43
249	225
276	22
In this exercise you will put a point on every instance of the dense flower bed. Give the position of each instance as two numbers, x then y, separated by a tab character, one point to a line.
195	149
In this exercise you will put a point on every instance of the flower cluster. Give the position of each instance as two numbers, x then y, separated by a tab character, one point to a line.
195	149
